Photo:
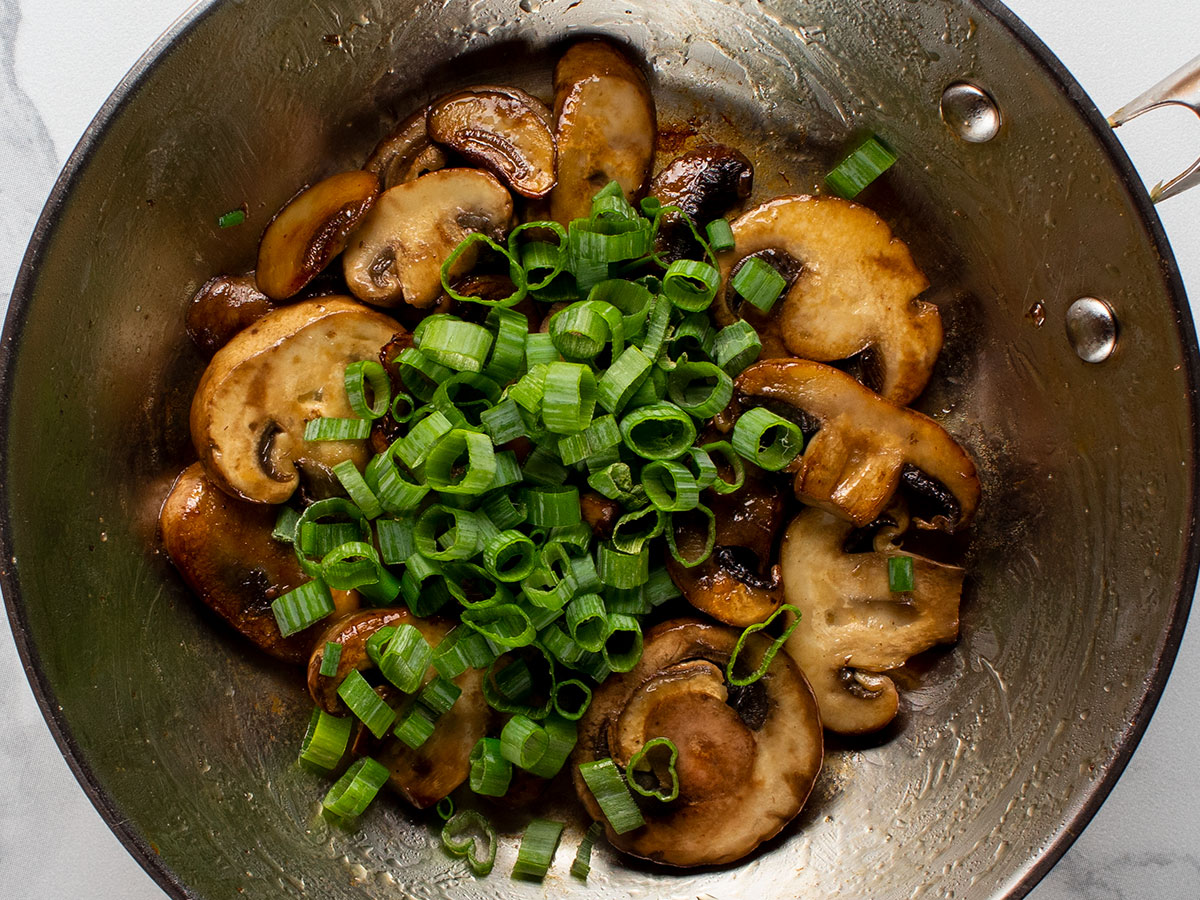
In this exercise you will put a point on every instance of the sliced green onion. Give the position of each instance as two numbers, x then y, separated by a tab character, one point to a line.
561	737
570	397
670	486
736	346
660	588
587	622
540	257
572	707
353	792
440	695
604	780
866	163
509	556
416	445
582	866
337	430
693	556
623	646
635	529
463	648
358	489
330	657
318	538
769	655
285	525
699	388
491	773
616	483
701	466
301	607
601	435
503	422
446	470
445	808
395	492
474	587
632	299
415	728
582	330
530	389
358	377
552	507
313	541
502	511
622	570
457	839
523	741
366	704
768	440
456	344
658	431
641	756
560	645
424	586
377	641
231	219
691	285
900	574
403	407
652	389
463	397
618	384
508	348
419	373
505	624
656	328
444	533
326	739
406	658
542	467
758	283
537	848
500	691
721	484
540	349
720	235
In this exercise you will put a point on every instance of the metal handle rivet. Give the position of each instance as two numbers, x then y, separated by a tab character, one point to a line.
970	112
1092	329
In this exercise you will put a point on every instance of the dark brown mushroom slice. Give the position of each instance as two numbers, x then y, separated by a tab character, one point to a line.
605	127
854	463
224	550
737	584
249	412
743	773
504	130
599	513
858	289
312	229
222	307
406	152
852	627
705	184
397	253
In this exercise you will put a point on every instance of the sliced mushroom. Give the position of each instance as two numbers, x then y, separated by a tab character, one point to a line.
259	391
397	254
406	152
737	584
748	757
430	772
857	291
311	230
222	307
852	627
503	129
864	447
224	550
606	126
705	184
599	513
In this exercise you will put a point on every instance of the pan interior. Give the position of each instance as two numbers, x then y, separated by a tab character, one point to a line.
1077	562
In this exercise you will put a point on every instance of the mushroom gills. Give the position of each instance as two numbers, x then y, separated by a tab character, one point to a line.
406	152
852	627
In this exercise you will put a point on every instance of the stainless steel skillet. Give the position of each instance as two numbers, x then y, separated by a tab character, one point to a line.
988	365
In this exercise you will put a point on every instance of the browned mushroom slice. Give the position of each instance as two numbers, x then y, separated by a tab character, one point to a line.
605	127
222	307
505	130
311	230
224	550
857	292
705	184
249	412
852	627
428	773
406	153
748	757
864	447
599	513
737	584
397	254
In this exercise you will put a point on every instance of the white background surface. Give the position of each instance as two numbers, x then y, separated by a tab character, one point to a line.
69	54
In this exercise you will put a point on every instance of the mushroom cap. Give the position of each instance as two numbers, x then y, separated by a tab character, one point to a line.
397	253
705	183
605	128
852	627
224	550
857	291
259	390
503	129
224	305
426	774
746	765
311	230
864	447
406	152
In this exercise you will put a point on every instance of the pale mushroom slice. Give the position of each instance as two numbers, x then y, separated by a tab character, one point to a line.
224	550
605	127
406	152
852	627
222	307
737	584
748	756
503	129
311	230
426	774
396	255
861	448
855	295
260	390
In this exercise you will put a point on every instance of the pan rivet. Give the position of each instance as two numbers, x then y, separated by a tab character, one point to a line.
1092	329
970	112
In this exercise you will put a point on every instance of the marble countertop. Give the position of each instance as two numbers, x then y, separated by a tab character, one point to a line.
59	61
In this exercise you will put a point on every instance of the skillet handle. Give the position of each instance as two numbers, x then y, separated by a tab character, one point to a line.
1180	88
